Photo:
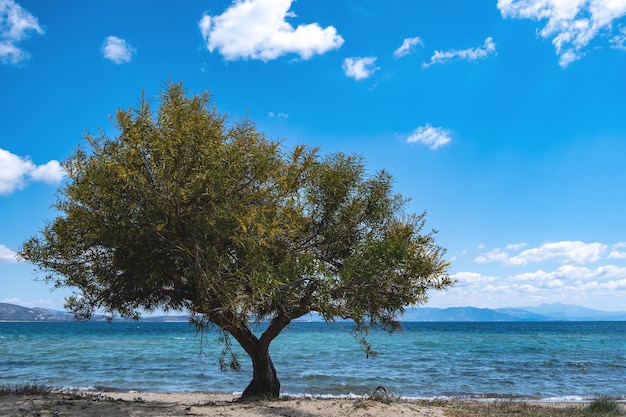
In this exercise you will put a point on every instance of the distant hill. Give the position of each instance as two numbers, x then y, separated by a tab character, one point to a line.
558	311
453	314
544	312
12	312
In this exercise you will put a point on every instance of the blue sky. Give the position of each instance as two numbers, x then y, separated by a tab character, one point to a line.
504	120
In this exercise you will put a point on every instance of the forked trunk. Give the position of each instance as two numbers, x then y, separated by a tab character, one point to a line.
264	382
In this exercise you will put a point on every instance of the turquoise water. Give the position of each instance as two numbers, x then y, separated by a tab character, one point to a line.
546	360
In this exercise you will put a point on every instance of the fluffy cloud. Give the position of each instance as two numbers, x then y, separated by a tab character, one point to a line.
360	68
470	54
258	29
565	276
573	274
470	278
570	24
7	255
117	50
16	24
433	137
16	172
568	284
494	255
565	251
407	47
617	255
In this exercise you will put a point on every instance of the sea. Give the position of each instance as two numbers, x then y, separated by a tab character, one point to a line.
539	361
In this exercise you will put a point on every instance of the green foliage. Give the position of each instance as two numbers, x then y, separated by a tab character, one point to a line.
185	211
603	406
599	407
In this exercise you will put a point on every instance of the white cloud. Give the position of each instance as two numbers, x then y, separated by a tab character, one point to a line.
602	287
407	47
280	115
574	275
617	254
565	251
360	68
50	173
494	255
7	255
433	137
619	41
470	278
470	54
16	24
258	29
16	172
571	24
515	246
117	50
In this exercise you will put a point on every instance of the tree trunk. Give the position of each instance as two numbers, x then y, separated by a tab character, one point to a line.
264	382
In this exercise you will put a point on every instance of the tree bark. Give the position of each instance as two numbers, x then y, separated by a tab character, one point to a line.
264	382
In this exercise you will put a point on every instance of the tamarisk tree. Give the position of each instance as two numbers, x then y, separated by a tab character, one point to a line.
187	211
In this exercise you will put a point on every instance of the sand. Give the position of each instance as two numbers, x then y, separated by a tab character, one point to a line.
198	404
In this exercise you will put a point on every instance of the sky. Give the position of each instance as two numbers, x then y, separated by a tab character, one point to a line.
504	120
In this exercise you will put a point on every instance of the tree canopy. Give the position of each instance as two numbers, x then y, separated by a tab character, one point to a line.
185	210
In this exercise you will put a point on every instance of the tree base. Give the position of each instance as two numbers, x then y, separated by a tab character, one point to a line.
261	390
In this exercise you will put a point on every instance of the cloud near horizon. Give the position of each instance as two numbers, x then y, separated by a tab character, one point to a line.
16	24
470	54
433	137
571	25
16	172
117	50
566	284
565	251
258	29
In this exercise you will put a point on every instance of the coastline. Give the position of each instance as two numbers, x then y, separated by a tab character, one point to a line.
74	403
116	404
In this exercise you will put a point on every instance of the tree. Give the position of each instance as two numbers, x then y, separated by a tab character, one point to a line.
185	211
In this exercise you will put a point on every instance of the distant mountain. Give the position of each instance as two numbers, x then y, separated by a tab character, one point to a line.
12	312
543	312
468	314
558	311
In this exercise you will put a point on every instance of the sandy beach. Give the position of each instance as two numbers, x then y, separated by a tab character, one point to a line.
134	404
200	404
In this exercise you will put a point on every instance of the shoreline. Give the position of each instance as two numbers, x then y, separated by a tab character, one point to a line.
484	397
75	403
116	404
234	395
